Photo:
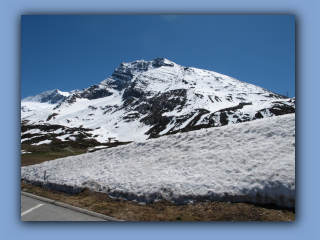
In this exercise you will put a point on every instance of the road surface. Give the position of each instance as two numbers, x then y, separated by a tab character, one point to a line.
48	210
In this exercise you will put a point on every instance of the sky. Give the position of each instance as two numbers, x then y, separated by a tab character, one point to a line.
69	52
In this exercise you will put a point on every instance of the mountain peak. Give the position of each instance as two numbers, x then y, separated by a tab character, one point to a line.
146	99
52	96
159	62
143	64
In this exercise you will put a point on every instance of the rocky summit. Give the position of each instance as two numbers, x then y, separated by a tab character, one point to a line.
146	99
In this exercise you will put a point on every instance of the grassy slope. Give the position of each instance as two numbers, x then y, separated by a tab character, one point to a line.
36	158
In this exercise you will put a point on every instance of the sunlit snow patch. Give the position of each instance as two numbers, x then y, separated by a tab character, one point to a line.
246	162
24	152
42	142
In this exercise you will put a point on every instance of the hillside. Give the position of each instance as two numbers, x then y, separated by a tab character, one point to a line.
245	162
146	99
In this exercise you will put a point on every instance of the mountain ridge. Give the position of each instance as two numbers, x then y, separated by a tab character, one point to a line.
147	99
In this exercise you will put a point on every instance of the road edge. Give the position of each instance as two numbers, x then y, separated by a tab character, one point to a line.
60	204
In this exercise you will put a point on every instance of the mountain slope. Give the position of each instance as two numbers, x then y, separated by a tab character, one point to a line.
246	162
147	99
51	97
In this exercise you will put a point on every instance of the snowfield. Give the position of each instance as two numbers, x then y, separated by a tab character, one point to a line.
143	99
246	162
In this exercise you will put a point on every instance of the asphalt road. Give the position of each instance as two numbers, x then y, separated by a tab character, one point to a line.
36	210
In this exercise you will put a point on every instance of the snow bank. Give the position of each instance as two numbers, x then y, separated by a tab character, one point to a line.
42	142
24	152
245	162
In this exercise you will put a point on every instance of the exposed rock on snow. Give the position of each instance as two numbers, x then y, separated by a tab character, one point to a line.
251	162
51	97
147	99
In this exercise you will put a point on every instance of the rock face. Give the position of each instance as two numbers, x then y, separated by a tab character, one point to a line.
147	99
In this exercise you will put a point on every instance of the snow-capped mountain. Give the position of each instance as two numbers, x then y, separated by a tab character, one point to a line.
51	97
147	99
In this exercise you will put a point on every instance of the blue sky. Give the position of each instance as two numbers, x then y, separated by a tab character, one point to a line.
68	52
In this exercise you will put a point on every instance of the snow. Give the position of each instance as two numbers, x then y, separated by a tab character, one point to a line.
44	95
42	142
151	80
97	147
66	94
63	137
24	152
25	139
246	162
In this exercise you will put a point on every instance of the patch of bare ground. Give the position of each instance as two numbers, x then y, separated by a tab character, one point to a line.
164	210
40	157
